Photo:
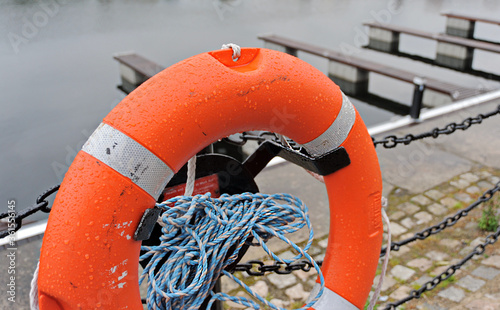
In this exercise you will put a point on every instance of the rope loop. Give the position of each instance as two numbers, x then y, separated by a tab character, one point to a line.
236	50
199	234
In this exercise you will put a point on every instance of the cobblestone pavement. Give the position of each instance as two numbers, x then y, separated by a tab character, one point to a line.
475	286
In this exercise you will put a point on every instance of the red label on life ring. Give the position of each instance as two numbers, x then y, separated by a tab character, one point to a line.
201	186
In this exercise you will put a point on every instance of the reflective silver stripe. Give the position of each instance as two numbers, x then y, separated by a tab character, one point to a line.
336	134
129	158
329	300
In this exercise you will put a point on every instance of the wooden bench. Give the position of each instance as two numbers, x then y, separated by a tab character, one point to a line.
452	51
352	73
135	70
464	25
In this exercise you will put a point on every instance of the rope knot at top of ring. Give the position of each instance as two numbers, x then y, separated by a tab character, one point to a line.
236	50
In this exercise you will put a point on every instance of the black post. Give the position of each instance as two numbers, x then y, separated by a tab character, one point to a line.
418	95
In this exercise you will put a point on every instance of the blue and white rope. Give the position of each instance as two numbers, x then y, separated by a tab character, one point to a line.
203	235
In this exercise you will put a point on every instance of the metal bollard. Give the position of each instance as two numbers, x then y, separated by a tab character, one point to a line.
418	95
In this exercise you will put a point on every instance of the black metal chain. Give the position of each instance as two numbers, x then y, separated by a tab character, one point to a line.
431	284
392	141
388	142
258	268
41	204
447	222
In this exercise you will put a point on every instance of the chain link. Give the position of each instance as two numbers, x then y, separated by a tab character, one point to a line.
41	204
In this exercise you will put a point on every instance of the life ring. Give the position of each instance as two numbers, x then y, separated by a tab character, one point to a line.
89	258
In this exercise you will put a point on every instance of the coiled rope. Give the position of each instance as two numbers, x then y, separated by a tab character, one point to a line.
203	235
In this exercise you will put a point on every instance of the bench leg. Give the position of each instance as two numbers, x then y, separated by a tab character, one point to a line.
350	79
384	40
454	56
460	27
131	79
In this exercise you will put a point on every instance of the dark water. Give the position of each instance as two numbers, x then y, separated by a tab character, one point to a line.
58	78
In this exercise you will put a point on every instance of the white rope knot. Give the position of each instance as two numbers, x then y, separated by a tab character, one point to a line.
236	50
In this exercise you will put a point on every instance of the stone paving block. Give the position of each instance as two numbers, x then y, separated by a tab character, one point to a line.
428	306
421	200
466	250
286	255
406	236
297	292
402	272
448	202
421	263
319	257
407	222
493	261
471	225
487	273
434	194
408	208
397	229
422	280
282	281
423	217
463	197
484	185
494	296
323	243
279	303
477	241
314	250
388	282
452	293
470	283
460	183
402	251
450	243
438	270
484	174
469	177
260	288
233	305
494	179
303	275
228	285
437	256
400	293
483	304
437	209
473	190
396	215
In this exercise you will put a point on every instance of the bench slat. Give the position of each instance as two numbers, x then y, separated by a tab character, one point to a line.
402	75
472	18
486	46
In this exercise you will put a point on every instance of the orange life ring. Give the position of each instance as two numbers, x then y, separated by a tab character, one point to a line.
89	258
